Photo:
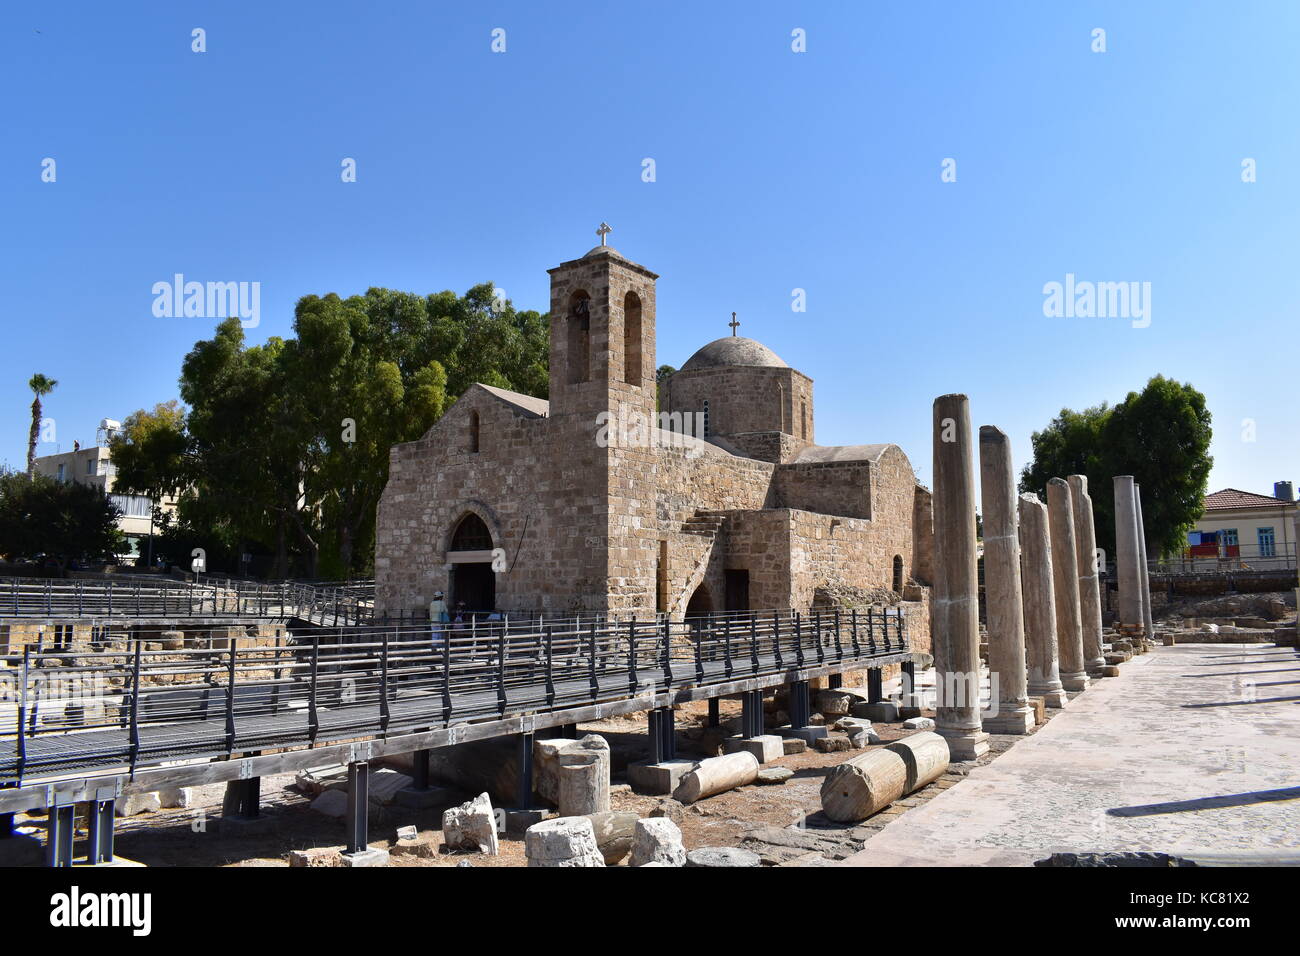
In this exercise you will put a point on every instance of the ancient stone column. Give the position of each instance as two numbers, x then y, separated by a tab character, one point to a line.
1065	582
1010	712
1085	541
1040	602
1148	621
1127	558
955	602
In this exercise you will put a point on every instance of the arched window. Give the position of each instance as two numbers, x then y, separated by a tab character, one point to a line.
578	337
898	573
473	432
471	535
632	339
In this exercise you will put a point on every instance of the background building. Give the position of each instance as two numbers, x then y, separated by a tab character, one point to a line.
1245	529
93	466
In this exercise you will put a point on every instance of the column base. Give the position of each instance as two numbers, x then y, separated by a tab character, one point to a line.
1077	681
965	744
1053	694
1010	720
367	857
765	747
1095	667
658	778
1055	699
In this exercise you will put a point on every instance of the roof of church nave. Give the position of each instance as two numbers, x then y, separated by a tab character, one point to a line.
733	350
821	453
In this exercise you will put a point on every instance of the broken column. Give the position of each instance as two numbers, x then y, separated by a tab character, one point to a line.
583	771
955	604
864	785
717	774
1010	712
564	842
1085	541
471	826
1127	559
1144	569
1040	603
1065	583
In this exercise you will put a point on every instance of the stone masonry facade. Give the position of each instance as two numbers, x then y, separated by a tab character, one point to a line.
591	507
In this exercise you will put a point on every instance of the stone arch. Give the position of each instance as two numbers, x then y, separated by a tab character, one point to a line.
471	534
898	573
578	337
632	359
701	602
483	512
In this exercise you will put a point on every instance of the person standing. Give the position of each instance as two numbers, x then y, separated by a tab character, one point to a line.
438	620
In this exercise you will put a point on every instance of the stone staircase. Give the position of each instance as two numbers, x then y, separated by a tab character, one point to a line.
703	524
706	524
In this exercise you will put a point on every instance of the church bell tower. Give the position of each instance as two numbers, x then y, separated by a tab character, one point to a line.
602	334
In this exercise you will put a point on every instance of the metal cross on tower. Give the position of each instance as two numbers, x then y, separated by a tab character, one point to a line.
603	231
733	323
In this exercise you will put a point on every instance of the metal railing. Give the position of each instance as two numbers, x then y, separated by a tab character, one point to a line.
340	605
137	706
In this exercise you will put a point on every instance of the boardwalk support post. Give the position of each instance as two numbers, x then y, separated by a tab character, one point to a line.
100	849
61	828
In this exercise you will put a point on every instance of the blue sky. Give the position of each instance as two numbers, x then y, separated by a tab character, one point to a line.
775	170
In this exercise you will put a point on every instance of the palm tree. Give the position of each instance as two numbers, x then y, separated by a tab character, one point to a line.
41	385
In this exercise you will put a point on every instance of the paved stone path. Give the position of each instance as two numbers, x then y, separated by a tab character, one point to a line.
1194	750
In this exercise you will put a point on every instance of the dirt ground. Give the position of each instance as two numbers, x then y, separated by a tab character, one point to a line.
743	817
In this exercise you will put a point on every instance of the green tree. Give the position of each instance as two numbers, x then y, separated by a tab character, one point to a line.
40	385
662	374
45	519
1160	436
285	446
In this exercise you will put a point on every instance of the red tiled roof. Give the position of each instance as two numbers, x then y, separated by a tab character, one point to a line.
1232	498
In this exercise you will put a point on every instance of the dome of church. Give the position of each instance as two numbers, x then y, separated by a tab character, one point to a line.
733	350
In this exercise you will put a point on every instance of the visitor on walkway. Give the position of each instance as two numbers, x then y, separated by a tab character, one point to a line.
438	621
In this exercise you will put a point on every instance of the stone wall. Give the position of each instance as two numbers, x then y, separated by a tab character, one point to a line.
828	487
745	398
539	484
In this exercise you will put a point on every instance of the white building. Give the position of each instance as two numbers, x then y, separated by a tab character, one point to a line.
93	466
1245	529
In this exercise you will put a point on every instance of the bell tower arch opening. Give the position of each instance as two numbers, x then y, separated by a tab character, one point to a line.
632	357
578	337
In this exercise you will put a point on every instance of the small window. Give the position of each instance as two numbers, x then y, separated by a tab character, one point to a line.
473	432
1229	537
62	472
706	418
90	466
1267	545
898	573
803	420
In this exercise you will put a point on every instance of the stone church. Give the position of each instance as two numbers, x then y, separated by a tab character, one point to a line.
518	504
